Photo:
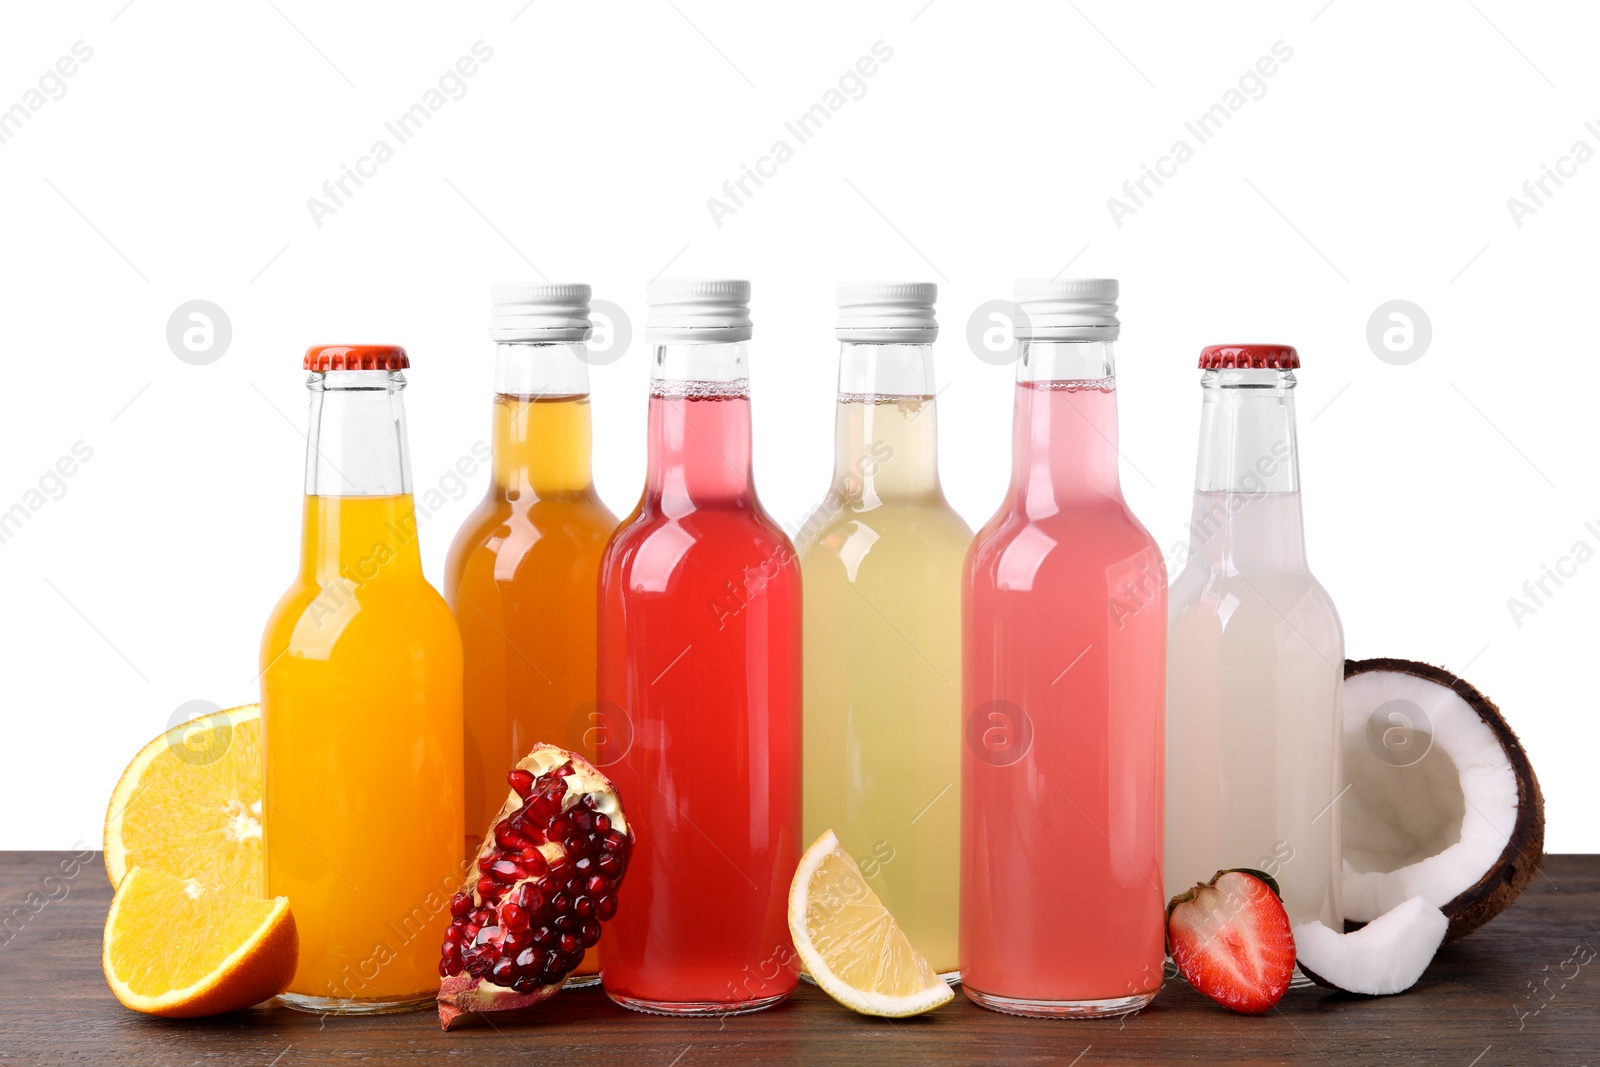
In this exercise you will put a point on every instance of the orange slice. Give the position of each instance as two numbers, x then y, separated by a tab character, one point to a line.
173	947
190	805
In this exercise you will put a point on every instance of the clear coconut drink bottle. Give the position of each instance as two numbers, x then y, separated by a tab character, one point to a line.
1064	651
700	658
361	710
882	559
1256	654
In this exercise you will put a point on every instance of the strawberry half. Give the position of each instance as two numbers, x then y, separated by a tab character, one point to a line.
1230	939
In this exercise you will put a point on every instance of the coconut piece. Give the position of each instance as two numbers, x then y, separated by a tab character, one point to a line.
1442	802
1385	956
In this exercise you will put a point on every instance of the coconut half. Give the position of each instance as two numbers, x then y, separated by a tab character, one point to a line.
1440	799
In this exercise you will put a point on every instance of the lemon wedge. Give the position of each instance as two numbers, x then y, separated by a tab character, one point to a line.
850	943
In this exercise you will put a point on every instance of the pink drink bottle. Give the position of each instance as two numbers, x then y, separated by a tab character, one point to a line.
1064	657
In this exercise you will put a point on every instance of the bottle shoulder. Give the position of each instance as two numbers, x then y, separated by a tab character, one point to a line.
399	612
1274	594
899	527
1102	530
498	526
728	537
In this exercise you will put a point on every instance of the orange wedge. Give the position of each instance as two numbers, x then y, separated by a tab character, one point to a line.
176	948
190	805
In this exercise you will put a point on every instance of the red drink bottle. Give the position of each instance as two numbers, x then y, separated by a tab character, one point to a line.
700	672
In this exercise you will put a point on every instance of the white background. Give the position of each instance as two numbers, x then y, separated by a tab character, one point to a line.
1377	165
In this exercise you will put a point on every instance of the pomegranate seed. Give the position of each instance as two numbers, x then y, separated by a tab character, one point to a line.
451	950
609	864
469	932
583	819
565	769
452	935
583	908
444	968
602	822
561	903
590	933
562	924
536	865
561	869
568	944
541	936
478	966
529	899
615	842
513	917
505	871
460	905
485	934
506	837
521	781
605	908
584	866
486	887
502	970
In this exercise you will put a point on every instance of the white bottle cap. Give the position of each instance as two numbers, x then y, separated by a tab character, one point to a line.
1068	309
524	311
693	310
887	312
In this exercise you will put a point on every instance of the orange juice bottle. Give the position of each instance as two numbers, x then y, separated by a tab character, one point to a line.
525	565
361	711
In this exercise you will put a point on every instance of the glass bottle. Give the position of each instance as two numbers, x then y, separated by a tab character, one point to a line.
361	710
1064	636
1256	654
522	570
882	559
700	653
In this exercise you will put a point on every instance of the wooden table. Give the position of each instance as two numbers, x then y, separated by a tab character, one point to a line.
1476	1007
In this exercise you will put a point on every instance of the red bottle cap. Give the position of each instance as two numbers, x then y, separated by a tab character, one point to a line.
1249	357
356	357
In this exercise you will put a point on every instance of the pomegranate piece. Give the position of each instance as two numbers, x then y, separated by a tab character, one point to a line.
544	882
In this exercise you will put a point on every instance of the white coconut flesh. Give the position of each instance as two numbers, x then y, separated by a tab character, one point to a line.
1385	956
1426	827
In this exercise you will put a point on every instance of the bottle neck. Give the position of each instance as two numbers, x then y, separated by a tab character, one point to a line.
699	447
1247	478
356	441
360	524
886	430
543	435
1064	432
